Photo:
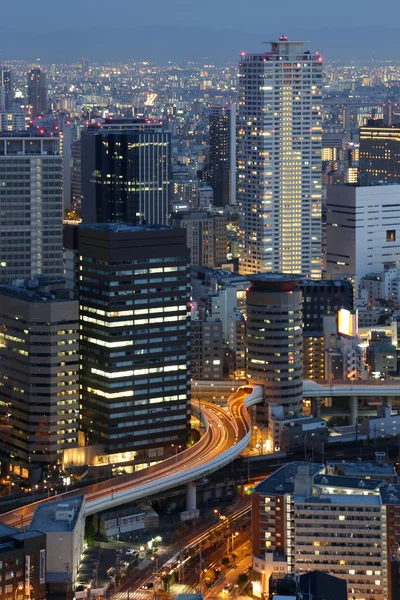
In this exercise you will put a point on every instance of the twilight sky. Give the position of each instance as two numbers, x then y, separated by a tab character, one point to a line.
172	29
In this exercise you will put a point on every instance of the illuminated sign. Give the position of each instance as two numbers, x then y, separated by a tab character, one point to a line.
347	322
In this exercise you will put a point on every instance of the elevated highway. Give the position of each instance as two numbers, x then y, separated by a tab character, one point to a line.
227	435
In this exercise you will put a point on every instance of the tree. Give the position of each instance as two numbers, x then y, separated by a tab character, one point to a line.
225	561
242	579
234	556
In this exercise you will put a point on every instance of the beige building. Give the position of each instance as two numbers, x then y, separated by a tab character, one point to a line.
39	397
206	236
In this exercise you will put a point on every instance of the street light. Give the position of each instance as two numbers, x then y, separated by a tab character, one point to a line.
19	588
176	451
233	535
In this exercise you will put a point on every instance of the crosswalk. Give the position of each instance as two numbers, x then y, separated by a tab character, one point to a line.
133	595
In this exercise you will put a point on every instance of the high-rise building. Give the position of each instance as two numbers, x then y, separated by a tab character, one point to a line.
6	87
37	92
126	172
38	375
30	207
279	160
205	235
379	153
14	121
362	230
206	349
85	65
274	339
222	165
134	295
76	176
346	525
320	298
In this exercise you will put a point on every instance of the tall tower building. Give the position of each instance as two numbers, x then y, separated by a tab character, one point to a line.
134	323
279	159
30	207
6	86
379	153
274	339
126	172
37	91
38	375
222	168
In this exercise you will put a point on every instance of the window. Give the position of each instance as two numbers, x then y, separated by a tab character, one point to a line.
390	235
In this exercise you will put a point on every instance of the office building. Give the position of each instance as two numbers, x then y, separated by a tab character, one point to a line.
63	523
14	121
381	356
320	298
206	350
222	166
337	524
37	92
22	564
279	160
30	207
85	65
205	236
6	85
134	295
363	230
379	153
126	172
38	375
274	339
237	343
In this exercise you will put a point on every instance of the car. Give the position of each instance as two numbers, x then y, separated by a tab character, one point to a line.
148	586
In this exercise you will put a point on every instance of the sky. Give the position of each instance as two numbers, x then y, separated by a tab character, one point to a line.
123	29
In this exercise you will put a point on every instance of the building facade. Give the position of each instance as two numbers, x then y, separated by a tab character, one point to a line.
126	172
39	373
344	525
274	339
30	207
222	164
205	235
206	350
380	153
22	564
363	230
37	92
279	160
134	295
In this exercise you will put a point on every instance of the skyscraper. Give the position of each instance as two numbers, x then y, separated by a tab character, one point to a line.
279	159
38	374
379	153
135	379
30	207
126	172
274	339
222	167
6	85
37	91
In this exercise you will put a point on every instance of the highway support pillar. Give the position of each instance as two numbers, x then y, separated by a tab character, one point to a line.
316	407
191	496
388	401
353	410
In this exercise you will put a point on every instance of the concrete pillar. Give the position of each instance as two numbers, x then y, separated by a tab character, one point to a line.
353	409
191	496
316	407
388	401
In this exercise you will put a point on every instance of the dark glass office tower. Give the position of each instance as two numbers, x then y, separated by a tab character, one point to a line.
379	153
221	175
135	380
37	92
6	84
126	172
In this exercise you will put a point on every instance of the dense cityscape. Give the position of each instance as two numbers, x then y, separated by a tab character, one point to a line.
199	328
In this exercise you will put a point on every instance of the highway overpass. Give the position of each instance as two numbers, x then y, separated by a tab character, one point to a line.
227	433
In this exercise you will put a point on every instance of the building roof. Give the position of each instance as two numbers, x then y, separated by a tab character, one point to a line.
125	227
369	469
342	481
44	518
282	480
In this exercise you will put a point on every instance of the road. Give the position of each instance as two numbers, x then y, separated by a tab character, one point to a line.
225	428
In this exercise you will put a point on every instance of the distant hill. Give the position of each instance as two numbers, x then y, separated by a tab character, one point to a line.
163	43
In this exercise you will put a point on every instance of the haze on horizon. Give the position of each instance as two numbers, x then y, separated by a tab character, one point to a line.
123	29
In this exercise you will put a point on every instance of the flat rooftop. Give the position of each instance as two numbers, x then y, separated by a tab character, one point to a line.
282	480
44	518
362	467
125	227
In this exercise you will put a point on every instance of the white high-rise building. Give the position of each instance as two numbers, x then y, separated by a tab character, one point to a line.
279	159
